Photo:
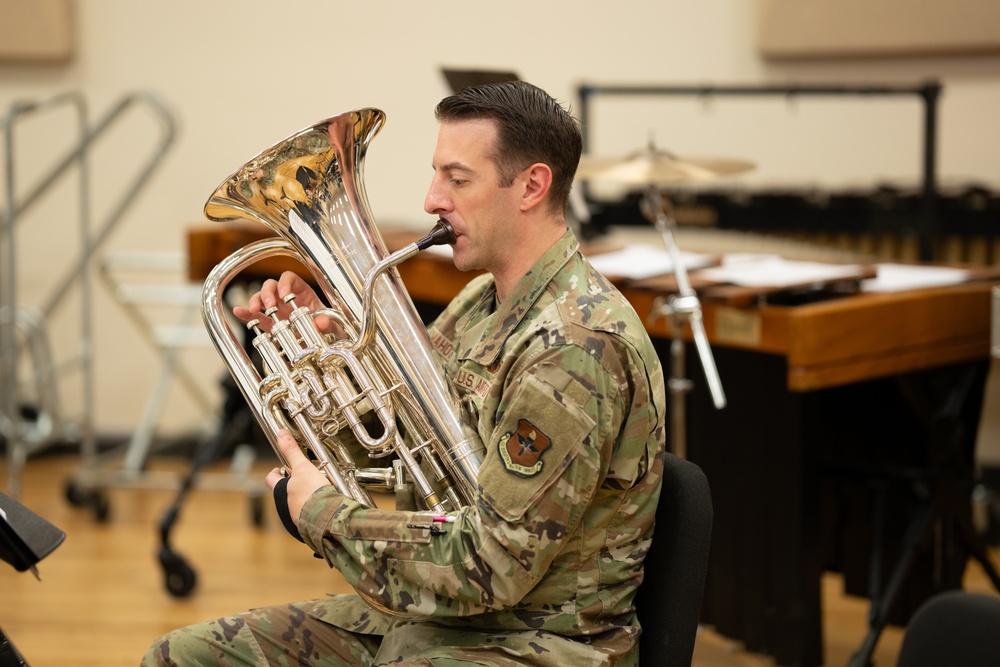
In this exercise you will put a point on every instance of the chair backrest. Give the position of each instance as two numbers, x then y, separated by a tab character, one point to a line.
668	602
953	628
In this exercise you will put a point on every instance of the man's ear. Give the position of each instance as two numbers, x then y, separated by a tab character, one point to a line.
537	182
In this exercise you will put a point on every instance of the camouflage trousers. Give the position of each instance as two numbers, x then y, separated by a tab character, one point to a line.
281	635
295	635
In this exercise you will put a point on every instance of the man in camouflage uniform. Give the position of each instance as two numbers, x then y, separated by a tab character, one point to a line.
558	376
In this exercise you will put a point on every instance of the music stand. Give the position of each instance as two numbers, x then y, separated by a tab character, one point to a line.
25	539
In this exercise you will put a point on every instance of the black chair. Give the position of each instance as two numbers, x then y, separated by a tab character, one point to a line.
953	629
668	602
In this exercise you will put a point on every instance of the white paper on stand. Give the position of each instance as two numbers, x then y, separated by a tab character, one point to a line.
642	260
899	277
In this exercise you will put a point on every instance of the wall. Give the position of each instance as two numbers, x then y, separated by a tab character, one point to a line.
241	75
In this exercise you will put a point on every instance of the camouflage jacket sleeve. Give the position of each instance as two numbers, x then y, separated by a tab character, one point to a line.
547	457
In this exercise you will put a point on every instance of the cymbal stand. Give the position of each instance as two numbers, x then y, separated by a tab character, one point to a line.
682	308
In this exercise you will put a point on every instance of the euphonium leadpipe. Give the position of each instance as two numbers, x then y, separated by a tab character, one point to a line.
377	378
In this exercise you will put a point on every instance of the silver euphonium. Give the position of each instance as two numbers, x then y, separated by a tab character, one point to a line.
376	378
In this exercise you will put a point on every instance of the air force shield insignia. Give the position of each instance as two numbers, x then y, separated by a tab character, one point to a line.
522	450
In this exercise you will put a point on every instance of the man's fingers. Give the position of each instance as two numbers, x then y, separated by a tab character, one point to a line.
322	323
268	294
288	282
253	305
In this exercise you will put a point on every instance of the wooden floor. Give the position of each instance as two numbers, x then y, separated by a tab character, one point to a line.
102	598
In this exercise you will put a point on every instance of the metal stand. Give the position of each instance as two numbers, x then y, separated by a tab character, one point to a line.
9	655
23	331
684	308
25	539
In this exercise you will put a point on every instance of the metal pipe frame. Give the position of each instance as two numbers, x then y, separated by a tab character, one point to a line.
928	93
75	274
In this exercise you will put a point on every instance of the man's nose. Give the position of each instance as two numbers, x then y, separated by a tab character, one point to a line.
435	203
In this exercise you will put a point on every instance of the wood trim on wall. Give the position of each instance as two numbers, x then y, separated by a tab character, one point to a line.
36	31
810	29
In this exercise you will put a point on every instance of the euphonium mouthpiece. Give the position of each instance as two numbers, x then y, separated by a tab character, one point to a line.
442	234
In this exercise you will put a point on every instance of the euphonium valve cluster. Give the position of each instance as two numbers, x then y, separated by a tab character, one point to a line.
369	381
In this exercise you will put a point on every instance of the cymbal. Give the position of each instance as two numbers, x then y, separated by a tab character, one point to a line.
652	166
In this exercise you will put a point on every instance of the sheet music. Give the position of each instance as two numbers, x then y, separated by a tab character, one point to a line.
772	271
644	260
899	277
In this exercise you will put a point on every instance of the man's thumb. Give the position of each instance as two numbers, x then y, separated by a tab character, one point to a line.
290	449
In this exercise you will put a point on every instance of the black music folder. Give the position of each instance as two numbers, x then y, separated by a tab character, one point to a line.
463	78
25	537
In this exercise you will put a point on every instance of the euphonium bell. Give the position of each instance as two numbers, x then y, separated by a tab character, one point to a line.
374	383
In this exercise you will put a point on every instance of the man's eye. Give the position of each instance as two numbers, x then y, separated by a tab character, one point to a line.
459	182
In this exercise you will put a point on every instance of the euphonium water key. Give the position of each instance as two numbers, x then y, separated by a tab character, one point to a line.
373	380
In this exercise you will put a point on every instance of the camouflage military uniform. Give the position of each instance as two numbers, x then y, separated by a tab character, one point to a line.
567	394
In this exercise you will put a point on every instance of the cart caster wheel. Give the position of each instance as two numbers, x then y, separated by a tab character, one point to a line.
75	496
100	505
257	511
179	578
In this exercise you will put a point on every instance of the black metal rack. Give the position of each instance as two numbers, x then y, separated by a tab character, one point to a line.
928	93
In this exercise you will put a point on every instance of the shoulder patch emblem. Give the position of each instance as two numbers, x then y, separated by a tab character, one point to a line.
522	450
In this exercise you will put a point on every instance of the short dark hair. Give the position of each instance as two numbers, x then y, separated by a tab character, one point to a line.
531	127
